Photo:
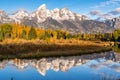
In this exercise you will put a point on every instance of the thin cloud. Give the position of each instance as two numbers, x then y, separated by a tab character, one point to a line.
107	3
96	13
115	12
100	14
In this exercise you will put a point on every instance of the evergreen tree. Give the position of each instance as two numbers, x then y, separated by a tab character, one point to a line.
1	35
7	30
116	35
32	34
24	34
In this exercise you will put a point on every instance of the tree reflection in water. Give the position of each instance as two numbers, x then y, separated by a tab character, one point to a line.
97	62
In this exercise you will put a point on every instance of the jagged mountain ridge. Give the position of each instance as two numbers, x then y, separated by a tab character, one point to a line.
56	19
115	22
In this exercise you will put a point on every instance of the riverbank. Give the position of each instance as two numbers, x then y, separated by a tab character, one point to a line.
50	48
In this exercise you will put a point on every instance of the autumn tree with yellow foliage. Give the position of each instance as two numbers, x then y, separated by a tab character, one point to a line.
19	31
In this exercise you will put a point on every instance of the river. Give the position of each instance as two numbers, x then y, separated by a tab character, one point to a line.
102	66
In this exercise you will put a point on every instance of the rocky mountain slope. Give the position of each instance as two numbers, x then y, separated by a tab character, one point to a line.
57	19
115	22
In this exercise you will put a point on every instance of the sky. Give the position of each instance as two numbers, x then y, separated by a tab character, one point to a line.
92	8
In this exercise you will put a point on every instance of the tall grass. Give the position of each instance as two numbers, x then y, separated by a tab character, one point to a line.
19	48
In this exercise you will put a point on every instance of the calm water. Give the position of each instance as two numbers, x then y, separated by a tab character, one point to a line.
104	66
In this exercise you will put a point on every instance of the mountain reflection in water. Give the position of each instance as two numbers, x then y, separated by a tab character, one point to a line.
104	66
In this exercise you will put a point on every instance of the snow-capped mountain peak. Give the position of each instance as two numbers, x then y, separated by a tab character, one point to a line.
4	18
42	7
2	12
55	19
19	15
42	13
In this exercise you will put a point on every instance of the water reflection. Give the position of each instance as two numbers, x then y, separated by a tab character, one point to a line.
104	66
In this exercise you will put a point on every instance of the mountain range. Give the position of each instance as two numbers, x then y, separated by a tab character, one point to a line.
60	19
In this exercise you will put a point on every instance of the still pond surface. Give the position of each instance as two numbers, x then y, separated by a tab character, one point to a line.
104	66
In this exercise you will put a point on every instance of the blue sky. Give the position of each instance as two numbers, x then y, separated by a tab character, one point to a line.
90	7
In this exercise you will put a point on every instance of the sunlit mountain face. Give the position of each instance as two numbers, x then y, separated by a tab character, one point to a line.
58	19
74	16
